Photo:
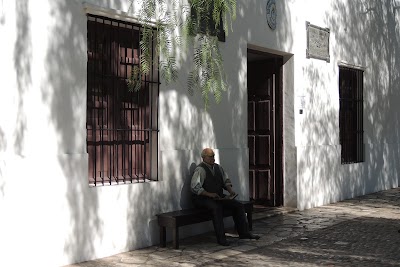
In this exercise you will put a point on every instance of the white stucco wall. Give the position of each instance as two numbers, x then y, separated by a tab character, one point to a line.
49	212
364	34
368	39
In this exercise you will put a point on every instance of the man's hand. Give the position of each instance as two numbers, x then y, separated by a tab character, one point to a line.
213	195
210	195
230	190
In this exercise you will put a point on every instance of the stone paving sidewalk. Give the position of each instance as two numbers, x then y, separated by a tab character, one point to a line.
363	231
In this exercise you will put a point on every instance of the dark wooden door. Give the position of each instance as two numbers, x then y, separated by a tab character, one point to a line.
263	82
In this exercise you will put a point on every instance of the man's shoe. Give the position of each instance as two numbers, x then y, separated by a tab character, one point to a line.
250	236
224	243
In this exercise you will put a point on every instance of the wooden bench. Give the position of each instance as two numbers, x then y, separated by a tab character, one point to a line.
175	219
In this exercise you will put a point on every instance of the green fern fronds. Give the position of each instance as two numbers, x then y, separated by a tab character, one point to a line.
134	81
197	22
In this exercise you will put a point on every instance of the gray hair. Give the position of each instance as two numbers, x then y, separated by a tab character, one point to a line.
204	152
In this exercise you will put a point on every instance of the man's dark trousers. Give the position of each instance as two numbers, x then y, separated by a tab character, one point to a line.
217	207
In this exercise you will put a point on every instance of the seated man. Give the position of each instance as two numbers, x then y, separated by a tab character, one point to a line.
208	182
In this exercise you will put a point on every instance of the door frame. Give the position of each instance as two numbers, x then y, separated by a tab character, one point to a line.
278	123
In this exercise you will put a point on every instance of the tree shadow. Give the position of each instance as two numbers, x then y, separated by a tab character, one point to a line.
92	214
2	14
22	66
232	129
3	141
64	93
361	44
340	245
3	148
187	127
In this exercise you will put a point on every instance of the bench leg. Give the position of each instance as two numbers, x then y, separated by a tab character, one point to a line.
175	237
250	220
163	237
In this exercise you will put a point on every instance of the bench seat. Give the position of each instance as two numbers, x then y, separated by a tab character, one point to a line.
178	218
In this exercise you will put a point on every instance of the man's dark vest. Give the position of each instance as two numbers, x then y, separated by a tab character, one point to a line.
213	183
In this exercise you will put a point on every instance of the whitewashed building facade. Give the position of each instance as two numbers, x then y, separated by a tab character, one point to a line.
291	74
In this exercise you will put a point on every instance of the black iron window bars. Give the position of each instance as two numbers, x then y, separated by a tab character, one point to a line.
351	115
122	125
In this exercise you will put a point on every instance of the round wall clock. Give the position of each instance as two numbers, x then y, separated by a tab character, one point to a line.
271	14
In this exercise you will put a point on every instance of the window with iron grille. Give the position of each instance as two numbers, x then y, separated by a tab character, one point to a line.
122	125
351	115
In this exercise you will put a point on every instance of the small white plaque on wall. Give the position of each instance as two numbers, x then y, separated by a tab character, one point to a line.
317	42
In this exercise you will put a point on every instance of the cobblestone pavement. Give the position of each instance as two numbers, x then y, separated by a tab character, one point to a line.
363	231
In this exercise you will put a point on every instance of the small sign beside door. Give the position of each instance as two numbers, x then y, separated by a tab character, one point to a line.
301	103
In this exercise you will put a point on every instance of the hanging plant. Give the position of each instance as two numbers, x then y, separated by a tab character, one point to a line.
196	25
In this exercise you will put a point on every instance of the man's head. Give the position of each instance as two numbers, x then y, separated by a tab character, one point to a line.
208	156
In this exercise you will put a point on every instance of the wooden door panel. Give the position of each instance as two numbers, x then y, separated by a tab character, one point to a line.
263	113
251	124
261	185
264	184
263	148
252	149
